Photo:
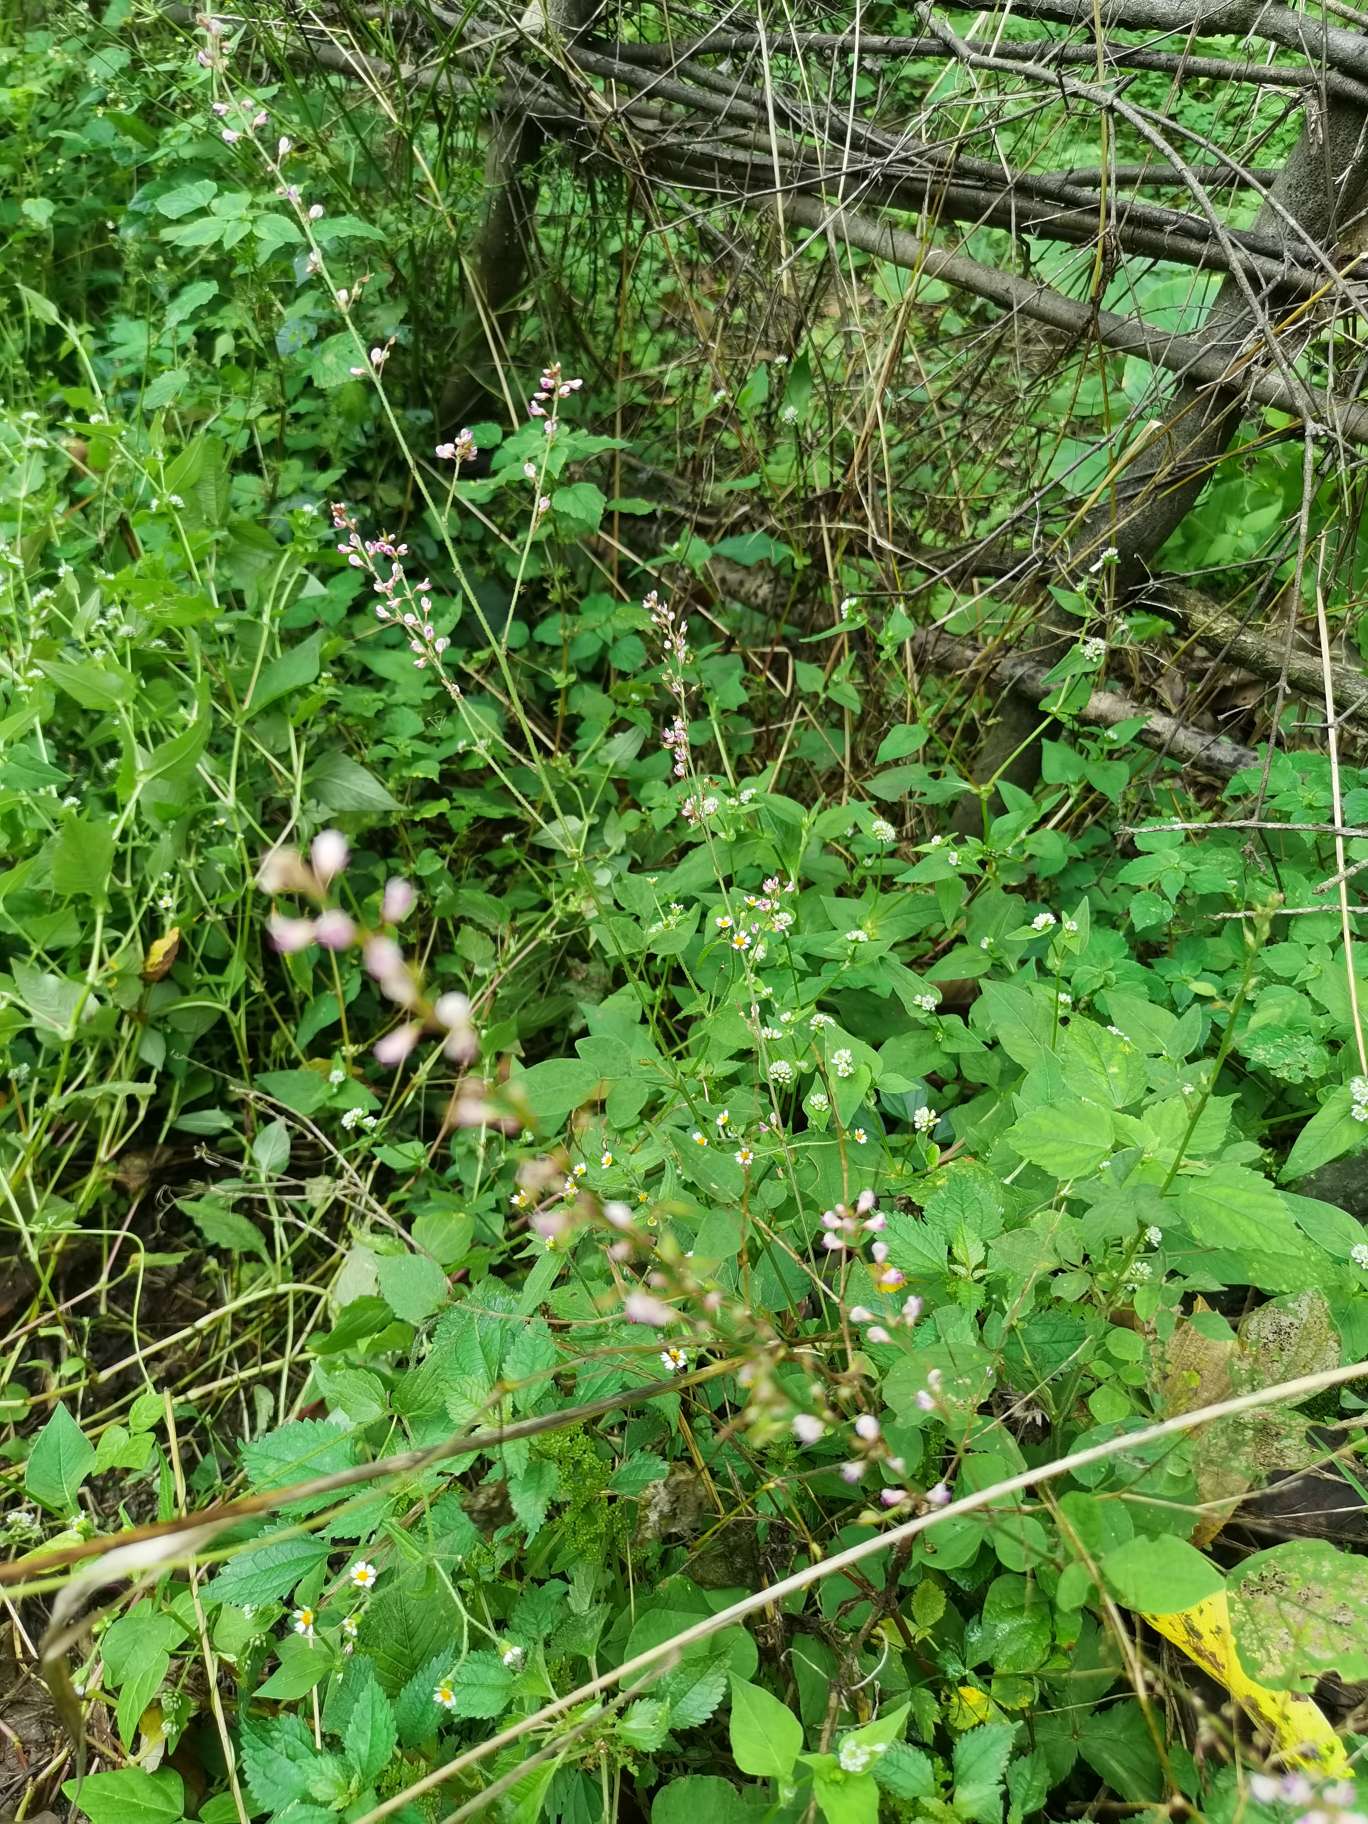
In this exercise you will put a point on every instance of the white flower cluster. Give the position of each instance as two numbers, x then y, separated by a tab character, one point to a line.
1358	1098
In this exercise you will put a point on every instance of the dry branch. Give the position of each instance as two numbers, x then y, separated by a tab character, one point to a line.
1206	753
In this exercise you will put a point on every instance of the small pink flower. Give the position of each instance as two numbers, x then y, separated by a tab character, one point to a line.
290	934
398	901
642	1308
335	931
864	1203
851	1472
877	1334
283	871
283	146
860	1314
808	1428
329	854
231	136
939	1496
892	1497
393	1047
912	1309
383	957
315	212
867	1427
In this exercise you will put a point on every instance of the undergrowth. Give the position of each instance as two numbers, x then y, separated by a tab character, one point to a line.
501	1043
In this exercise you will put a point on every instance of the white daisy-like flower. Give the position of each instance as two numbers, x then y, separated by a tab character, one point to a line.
303	1621
674	1359
744	1156
858	1135
362	1575
605	1158
445	1694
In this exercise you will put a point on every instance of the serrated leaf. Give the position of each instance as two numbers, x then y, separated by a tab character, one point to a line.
532	1493
372	1732
409	1621
412	1286
416	1713
980	1766
528	1357
266	1572
278	1755
297	1452
694	1690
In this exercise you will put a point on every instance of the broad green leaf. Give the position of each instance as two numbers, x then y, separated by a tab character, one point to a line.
223	1227
61	1459
127	1795
1160	1575
294	669
412	1285
82	857
1330	1133
303	1664
278	1755
1300	1611
406	1623
844	1798
766	1736
342	784
700	1798
186	198
96	687
1067	1140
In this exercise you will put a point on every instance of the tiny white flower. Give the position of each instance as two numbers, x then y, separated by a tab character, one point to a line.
1154	1236
674	1359
445	1695
362	1575
843	1062
1359	1254
857	937
780	1071
513	1658
924	1120
303	1622
1043	921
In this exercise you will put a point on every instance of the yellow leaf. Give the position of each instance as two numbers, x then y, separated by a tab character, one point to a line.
160	955
1302	1732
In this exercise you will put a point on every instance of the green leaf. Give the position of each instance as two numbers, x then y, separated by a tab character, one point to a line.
303	1664
1117	1745
1068	1141
700	1798
412	1285
222	1227
482	1683
416	1712
267	1572
303	1092
844	1798
271	1149
532	1492
61	1459
372	1732
1330	1133
341	784
130	1796
645	1724
694	1690
58	1004
765	1735
1299	1611
406	1624
96	687
636	1474
905	1773
82	857
186	198
297	1452
278	1756
290	672
553	1089
1160	1575
579	507
981	1758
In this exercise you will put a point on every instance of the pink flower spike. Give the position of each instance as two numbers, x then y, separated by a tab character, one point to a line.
393	1047
892	1497
383	957
867	1427
939	1496
290	935
860	1314
851	1472
880	1251
398	901
283	871
452	1010
877	1334
641	1308
329	853
335	931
